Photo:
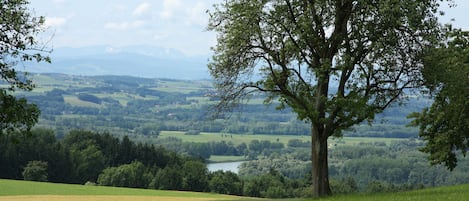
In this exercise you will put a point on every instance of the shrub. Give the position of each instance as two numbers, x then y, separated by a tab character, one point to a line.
35	171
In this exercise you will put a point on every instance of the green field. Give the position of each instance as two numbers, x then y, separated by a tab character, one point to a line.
237	139
218	159
450	193
73	100
25	190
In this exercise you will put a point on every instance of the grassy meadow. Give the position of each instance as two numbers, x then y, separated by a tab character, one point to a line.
26	190
237	139
449	193
218	159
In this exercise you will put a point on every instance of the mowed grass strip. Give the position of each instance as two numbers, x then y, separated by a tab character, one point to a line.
27	190
101	198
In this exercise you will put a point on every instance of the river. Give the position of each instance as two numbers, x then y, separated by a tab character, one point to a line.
226	166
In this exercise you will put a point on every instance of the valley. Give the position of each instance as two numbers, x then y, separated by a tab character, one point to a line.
267	145
139	107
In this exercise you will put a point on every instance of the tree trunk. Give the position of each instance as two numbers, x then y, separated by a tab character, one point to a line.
320	169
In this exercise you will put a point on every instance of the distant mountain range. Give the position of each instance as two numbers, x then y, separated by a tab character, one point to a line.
139	61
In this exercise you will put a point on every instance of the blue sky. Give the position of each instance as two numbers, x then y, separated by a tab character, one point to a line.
174	24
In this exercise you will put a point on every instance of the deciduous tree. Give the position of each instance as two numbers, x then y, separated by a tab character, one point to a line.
18	44
336	63
35	171
445	124
195	176
225	183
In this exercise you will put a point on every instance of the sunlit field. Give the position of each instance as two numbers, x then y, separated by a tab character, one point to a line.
26	190
40	191
238	138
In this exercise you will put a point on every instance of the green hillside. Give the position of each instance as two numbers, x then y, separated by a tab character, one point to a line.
27	190
22	188
449	193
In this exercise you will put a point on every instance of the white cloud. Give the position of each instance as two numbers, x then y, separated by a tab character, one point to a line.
141	9
196	14
55	21
124	25
169	7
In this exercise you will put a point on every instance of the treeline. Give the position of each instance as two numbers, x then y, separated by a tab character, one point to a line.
92	158
366	167
84	157
80	157
89	158
204	150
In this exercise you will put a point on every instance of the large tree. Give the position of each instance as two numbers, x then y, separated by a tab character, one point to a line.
19	44
336	63
445	124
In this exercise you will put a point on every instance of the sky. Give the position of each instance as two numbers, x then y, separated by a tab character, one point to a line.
173	24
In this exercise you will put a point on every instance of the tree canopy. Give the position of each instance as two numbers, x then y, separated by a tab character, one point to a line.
445	124
19	44
336	63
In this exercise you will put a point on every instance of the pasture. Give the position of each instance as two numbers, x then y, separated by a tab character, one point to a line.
40	191
237	139
27	190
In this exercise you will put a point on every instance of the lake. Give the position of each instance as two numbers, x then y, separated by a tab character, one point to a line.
226	166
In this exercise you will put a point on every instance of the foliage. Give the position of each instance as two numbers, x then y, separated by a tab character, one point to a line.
18	44
195	176
16	114
80	157
134	175
270	185
344	186
226	183
397	166
35	171
334	63
168	178
89	98
445	125
298	143
287	165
